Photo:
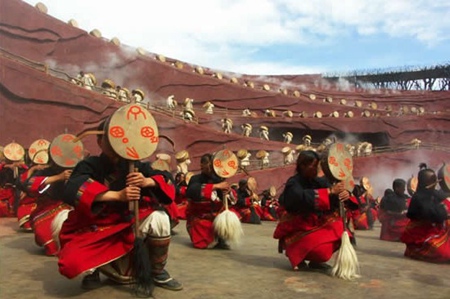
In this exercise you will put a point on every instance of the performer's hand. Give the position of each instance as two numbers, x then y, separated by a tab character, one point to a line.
130	193
224	186
65	175
337	188
137	179
344	195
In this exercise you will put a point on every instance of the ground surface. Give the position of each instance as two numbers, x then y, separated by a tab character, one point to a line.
254	270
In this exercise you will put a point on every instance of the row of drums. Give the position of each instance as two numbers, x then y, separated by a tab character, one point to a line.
65	150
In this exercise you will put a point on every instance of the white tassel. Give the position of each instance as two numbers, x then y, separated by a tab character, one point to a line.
227	225
57	224
346	265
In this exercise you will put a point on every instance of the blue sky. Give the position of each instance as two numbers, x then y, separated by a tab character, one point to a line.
274	36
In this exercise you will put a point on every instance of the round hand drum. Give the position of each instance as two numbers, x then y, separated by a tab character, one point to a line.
225	163
132	132
340	162
444	177
65	152
38	151
14	152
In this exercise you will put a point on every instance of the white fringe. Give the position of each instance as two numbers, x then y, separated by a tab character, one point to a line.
346	265
228	227
57	224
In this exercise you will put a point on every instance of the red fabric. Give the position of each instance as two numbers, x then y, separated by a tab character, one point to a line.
41	217
172	210
309	237
392	225
428	241
41	221
89	240
359	216
200	217
7	202
26	207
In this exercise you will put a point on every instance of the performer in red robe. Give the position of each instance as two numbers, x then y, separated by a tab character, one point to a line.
98	234
270	206
205	193
310	227
427	236
364	217
27	202
10	192
46	186
392	213
180	197
247	204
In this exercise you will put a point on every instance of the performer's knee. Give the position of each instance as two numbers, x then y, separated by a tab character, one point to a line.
157	224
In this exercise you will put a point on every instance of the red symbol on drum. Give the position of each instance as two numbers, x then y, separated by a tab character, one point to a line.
125	140
67	138
32	151
116	132
154	139
342	174
135	110
447	180
78	150
40	160
232	164
42	142
348	164
225	173
56	151
339	147
226	153
69	162
217	163
7	151
132	153
147	132
332	161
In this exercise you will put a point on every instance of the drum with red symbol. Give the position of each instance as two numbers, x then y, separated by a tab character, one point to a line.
14	152
338	164
225	163
66	150
38	151
132	132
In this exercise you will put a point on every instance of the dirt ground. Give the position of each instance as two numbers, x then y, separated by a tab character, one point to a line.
253	270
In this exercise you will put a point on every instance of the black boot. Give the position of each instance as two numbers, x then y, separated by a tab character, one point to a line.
91	281
158	249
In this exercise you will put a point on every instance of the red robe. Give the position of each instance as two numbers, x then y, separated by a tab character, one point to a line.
26	206
270	209
97	233
364	217
310	227
7	201
181	201
427	235
47	207
202	210
249	211
393	223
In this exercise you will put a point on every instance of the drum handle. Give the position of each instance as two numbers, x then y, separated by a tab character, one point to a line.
134	205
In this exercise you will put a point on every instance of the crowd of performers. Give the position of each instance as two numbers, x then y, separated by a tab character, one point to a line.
96	234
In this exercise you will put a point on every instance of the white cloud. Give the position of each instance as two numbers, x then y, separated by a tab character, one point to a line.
216	33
